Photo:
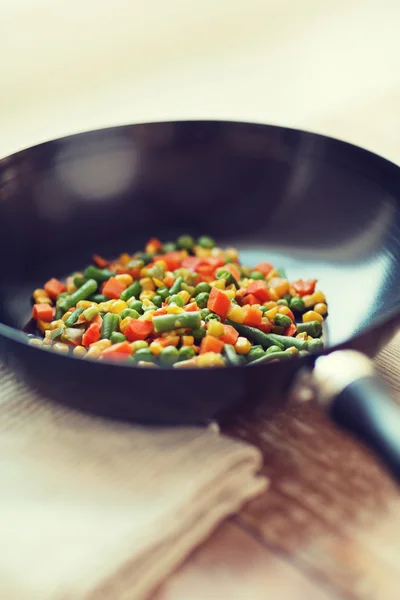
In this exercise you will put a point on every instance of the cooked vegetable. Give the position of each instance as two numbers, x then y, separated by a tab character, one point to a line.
183	304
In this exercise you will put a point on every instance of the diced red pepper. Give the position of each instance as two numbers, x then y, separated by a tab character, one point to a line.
138	330
259	289
304	288
290	330
250	299
219	302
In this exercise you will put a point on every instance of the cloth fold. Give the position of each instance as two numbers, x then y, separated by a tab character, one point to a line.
93	509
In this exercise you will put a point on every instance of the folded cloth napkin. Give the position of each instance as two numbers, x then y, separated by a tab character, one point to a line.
94	509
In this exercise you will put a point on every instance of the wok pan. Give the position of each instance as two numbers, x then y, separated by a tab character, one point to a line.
317	206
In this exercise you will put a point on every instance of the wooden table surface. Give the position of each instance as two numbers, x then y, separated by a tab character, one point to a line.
327	528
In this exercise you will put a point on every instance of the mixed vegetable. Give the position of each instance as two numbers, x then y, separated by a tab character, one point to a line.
180	304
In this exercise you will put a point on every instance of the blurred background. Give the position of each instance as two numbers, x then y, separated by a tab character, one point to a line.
330	66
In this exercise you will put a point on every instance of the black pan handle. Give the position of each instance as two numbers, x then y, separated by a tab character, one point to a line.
351	392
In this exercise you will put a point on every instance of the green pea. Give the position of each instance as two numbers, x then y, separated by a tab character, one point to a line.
315	345
202	299
282	320
212	316
157	300
283	302
255	353
144	354
205	312
163	292
143	256
117	337
206	242
186	352
297	304
169	247
263	309
256	275
130	312
147	308
139	344
169	355
273	349
202	287
199	333
185	242
136	305
177	300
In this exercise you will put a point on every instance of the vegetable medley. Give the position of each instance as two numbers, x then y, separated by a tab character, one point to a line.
180	304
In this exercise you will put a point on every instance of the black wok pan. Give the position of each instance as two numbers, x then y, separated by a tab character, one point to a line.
316	206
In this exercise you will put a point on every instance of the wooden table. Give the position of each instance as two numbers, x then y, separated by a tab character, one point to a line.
327	528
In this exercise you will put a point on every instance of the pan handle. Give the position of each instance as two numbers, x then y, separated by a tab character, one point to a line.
351	392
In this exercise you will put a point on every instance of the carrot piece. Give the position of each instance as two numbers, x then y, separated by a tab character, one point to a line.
259	289
192	307
160	311
233	270
205	278
253	317
290	330
123	348
303	288
173	259
138	330
98	319
153	246
230	335
42	312
264	268
211	344
91	335
99	261
169	280
190	262
219	302
207	266
113	288
250	299
54	287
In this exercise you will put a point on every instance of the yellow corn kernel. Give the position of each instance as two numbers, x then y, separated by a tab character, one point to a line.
57	324
43	300
230	293
201	252
105	306
273	294
187	364
237	314
158	282
187	340
148	315
312	299
242	345
66	315
279	285
44	326
161	263
184	295
215	328
245	282
219	283
309	338
36	342
147	302
124	323
138	344
71	287
79	351
60	348
147	284
292	350
273	273
270	304
125	279
147	295
143	272
155	348
97	348
231	287
173	309
172	340
232	253
293	292
302	335
321	308
39	293
124	258
210	359
271	314
85	304
147	364
118	306
311	315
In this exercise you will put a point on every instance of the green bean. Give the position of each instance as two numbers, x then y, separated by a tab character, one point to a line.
176	287
82	293
212	316
282	320
233	358
59	313
205	312
189	320
144	256
254	335
297	304
185	242
256	275
313	328
90	313
278	329
117	337
130	312
287	341
110	324
79	281
133	290
178	300
163	292
157	300
206	242
273	349
98	298
92	272
144	354
169	355
202	287
274	356
315	345
202	299
229	278
186	352
198	333
136	305
283	302
73	317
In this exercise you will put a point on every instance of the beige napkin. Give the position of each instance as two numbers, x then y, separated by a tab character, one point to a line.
102	510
